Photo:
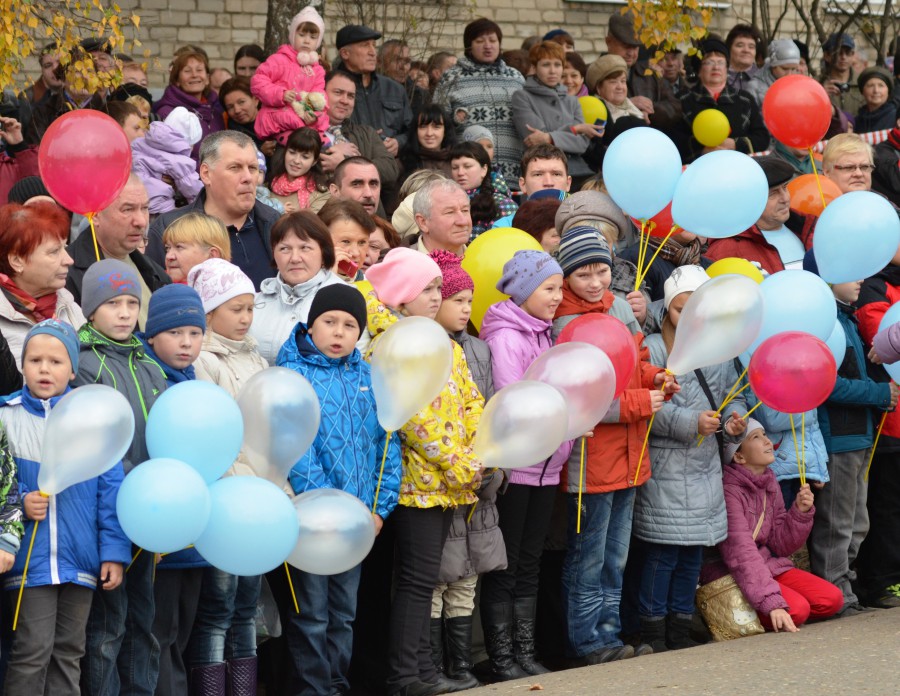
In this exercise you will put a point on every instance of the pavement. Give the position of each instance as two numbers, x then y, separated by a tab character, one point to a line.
855	655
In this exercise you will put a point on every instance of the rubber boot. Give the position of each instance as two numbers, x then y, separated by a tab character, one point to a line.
497	620
459	651
208	680
242	677
653	633
523	635
678	629
437	644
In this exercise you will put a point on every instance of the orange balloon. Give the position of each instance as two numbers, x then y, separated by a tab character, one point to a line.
805	196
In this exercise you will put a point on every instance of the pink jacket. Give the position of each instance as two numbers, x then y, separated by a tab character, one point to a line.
278	74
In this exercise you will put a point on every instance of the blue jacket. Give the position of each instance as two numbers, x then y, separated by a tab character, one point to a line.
81	530
348	448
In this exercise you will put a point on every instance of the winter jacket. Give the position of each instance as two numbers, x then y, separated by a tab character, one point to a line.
383	105
438	461
759	84
371	146
849	100
478	356
278	74
15	325
349	446
12	516
666	107
755	564
208	110
16	163
747	127
54	105
280	306
752	245
886	177
81	530
516	339
883	118
126	368
887	344
165	152
505	206
683	503
480	94
551	110
846	418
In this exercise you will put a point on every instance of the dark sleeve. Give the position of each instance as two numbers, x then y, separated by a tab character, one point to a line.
757	137
10	377
155	249
667	110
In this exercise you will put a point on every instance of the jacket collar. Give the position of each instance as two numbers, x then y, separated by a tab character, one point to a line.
292	294
304	349
39	407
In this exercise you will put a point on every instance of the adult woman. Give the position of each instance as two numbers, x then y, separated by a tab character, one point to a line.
437	65
607	79
848	161
241	106
304	255
879	111
33	269
538	218
479	89
381	241
192	239
350	227
744	49
573	75
471	168
429	149
189	87
247	59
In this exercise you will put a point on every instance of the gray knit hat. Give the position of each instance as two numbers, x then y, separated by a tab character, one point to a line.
524	272
105	280
473	134
582	246
589	207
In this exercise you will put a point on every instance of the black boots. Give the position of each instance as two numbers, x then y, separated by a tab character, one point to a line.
523	635
678	629
497	621
242	677
653	633
459	650
208	680
437	644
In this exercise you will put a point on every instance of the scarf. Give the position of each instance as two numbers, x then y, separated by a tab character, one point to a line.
894	138
626	108
36	309
303	186
173	375
572	304
678	253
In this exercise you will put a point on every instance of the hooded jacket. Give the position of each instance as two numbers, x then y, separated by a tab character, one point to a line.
349	446
209	111
278	74
81	530
165	152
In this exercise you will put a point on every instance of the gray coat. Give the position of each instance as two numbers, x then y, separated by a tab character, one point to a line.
478	356
683	504
759	85
553	111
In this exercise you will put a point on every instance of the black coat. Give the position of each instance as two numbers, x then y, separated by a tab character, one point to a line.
747	127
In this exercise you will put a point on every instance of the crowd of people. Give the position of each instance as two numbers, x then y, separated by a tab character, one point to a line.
290	211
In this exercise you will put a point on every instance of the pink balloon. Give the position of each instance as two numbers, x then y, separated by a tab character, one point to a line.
85	160
792	372
609	335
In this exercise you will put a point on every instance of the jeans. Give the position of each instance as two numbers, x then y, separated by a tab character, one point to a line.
669	579
592	573
177	593
225	624
122	657
320	637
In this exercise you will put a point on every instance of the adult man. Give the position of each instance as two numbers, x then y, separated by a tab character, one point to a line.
544	169
356	179
838	77
120	230
394	62
649	93
229	171
672	67
442	213
380	102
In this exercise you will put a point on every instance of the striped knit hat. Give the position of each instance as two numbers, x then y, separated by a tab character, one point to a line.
582	246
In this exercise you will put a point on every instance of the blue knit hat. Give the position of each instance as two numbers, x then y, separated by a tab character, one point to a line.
105	280
581	246
524	273
173	306
60	330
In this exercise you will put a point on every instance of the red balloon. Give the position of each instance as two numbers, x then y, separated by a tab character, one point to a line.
609	335
85	160
663	220
793	372
797	111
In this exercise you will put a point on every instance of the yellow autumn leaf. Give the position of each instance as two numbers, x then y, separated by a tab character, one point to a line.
136	21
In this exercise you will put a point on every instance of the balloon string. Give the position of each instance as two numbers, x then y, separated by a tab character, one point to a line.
729	397
644	234
580	486
90	217
133	559
387	441
291	585
637	472
874	445
796	448
816	174
643	275
747	415
802	463
25	574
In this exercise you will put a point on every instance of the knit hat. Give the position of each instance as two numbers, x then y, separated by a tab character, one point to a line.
877	73
602	68
455	277
217	281
307	14
783	52
173	306
60	330
732	447
261	161
186	123
473	134
105	280
581	246
524	272
402	276
403	219
588	208
338	296
552	194
683	279
25	189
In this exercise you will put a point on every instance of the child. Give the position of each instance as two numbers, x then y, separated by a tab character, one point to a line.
347	455
518	331
761	536
595	560
846	423
229	358
298	181
291	82
190	240
681	508
440	471
119	628
263	194
80	545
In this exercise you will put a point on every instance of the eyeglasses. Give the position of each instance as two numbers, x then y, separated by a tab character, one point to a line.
864	168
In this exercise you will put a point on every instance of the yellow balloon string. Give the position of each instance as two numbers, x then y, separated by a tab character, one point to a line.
643	275
875	444
580	487
387	441
802	463
291	585
637	472
25	574
747	415
816	174
90	218
642	250
729	397
133	559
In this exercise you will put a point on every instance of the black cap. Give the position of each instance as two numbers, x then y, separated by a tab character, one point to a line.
128	89
777	170
354	33
339	296
94	45
713	44
621	27
25	189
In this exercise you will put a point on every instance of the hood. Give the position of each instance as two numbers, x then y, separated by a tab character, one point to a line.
379	316
162	138
534	87
737	475
507	315
292	294
299	347
219	345
89	336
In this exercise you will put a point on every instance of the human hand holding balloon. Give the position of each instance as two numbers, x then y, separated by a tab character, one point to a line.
657	399
707	423
379	523
804	499
666	383
36	506
638	304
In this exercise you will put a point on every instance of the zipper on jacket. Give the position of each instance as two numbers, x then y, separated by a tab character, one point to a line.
52	519
137	384
359	469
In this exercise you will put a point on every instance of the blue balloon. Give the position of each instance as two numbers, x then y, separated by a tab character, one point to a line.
198	423
837	343
856	236
163	505
796	301
720	195
892	316
252	526
640	170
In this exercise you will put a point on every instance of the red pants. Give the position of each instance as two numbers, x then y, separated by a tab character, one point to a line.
807	596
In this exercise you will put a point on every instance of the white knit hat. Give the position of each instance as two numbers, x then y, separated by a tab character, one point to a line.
732	447
217	281
185	123
683	279
307	14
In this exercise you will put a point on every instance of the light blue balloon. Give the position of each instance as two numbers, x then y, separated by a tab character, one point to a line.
857	235
198	423
163	505
640	170
837	343
796	301
720	195
252	526
892	316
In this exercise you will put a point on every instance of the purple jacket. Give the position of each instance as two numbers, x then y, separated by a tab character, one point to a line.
887	344
209	112
516	338
756	564
165	152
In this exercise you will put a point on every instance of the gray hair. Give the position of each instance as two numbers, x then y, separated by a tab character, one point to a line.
212	144
417	180
422	200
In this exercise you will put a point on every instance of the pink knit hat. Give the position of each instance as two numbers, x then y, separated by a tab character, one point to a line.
455	278
402	276
307	14
217	281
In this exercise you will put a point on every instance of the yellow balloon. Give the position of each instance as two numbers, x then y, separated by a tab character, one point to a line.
711	127
484	261
736	266
592	109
